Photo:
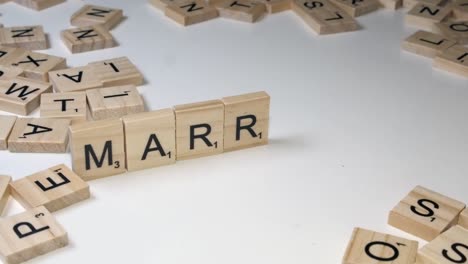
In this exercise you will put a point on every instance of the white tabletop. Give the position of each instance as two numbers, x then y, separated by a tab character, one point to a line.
356	123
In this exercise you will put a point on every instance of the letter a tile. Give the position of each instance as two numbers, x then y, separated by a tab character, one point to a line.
29	235
55	188
74	79
369	247
98	149
425	213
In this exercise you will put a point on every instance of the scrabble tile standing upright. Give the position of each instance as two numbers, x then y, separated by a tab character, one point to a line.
71	106
199	129
454	60
38	5
324	17
97	148
116	72
4	192
463	221
369	247
87	38
448	248
21	96
74	79
150	139
189	12
425	16
242	10
54	188
90	15
39	135
425	213
6	125
29	235
246	120
28	37
427	44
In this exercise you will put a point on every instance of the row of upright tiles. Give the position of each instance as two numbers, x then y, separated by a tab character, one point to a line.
431	216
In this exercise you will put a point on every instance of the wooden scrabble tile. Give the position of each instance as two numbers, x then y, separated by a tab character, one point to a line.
457	31
199	129
411	3
463	221
425	213
460	9
28	37
161	4
64	105
150	139
90	15
38	4
356	8
39	135
454	60
117	71
427	44
4	191
391	4
425	16
6	125
29	235
8	73
189	12
324	17
276	6
21	96
114	102
369	247
246	120
37	65
97	148
87	38
54	188
242	10
74	79
448	248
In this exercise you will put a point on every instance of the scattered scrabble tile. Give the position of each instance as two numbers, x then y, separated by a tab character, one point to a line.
425	214
189	12
369	247
427	44
448	248
38	4
463	221
425	16
39	135
8	53
242	10
324	17
37	65
460	9
4	191
199	129
357	8
391	4
8	73
457	31
454	60
64	105
246	120
87	38
412	3
28	37
276	6
29	235
150	139
117	71
90	15
114	102
74	79
6	125
54	188
161	4
97	149
21	96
